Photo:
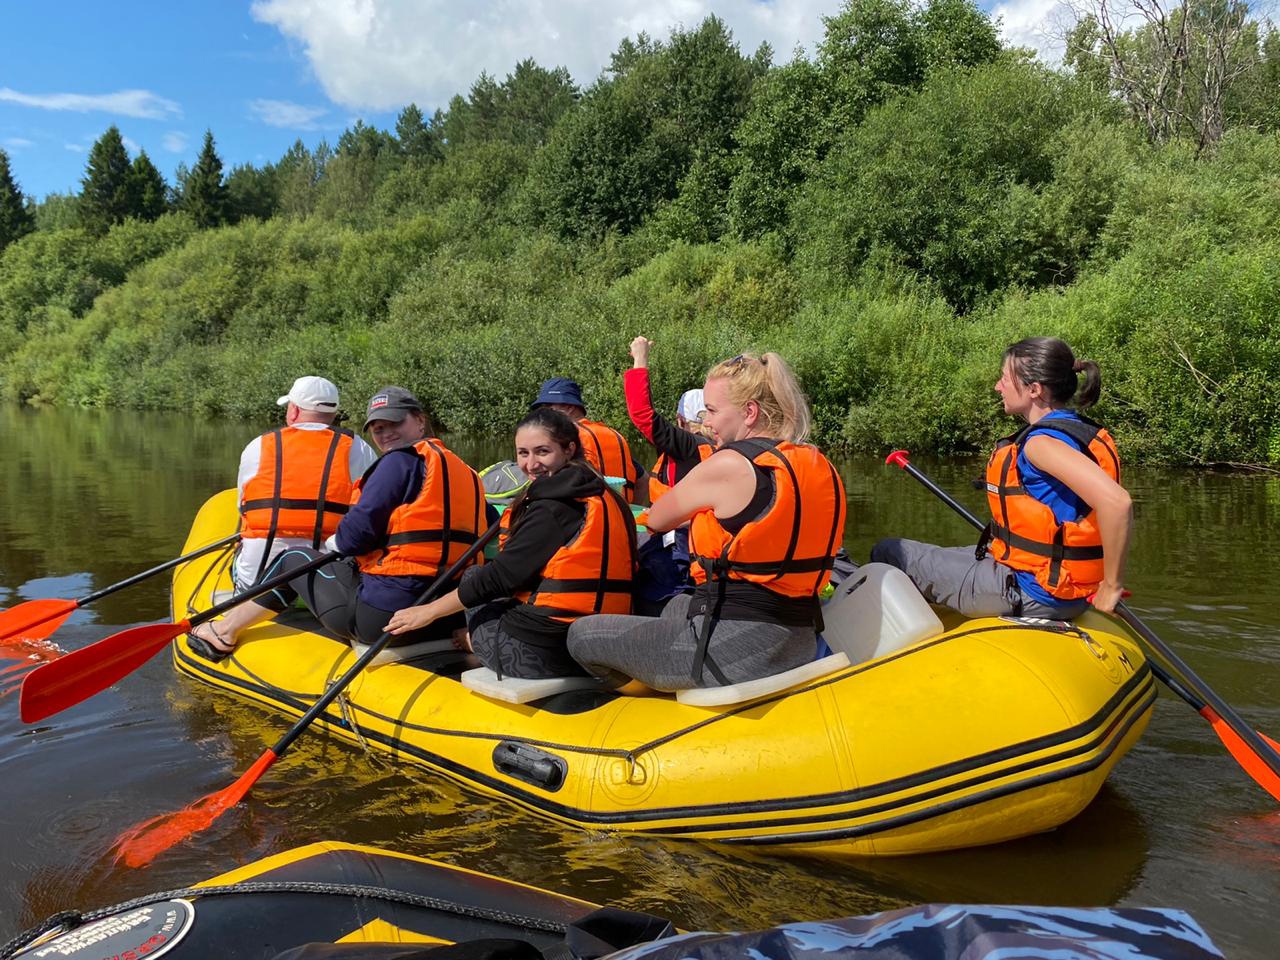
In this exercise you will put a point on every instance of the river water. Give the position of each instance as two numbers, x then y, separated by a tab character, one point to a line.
91	498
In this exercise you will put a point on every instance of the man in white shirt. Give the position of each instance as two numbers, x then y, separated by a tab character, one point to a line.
295	482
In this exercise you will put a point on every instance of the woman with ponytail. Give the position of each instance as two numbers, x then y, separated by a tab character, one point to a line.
1060	521
766	517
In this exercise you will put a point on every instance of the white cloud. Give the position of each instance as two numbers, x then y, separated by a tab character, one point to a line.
130	144
282	113
1039	24
174	141
18	143
76	147
125	103
384	54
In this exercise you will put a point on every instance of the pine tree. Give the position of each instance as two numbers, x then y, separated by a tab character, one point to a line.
146	189
204	195
16	220
417	140
104	201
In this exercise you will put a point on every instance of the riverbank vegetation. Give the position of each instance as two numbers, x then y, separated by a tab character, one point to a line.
887	213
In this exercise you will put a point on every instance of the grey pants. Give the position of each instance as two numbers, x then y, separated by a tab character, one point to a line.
659	651
977	588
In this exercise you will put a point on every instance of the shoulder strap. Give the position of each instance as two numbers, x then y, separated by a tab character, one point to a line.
278	436
1082	432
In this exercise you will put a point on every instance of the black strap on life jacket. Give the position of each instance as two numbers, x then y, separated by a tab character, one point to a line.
317	535
277	436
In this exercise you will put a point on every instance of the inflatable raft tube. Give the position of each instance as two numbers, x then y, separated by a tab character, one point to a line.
333	901
990	731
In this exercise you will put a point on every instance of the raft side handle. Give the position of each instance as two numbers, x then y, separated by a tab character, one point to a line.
538	767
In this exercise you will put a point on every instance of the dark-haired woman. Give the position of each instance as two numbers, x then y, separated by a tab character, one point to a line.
568	550
1060	520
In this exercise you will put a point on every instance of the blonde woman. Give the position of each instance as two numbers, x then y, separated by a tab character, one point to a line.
766	516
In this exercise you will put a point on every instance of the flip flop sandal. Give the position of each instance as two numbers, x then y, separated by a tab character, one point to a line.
206	650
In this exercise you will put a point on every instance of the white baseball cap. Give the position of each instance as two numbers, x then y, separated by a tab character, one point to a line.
692	405
312	393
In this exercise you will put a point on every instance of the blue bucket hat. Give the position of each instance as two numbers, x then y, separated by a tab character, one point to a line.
559	390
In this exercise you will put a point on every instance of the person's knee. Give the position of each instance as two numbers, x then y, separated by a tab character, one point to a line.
888	551
578	642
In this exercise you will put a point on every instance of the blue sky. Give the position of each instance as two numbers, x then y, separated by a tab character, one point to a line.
263	73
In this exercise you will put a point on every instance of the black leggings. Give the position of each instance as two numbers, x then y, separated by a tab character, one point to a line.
332	593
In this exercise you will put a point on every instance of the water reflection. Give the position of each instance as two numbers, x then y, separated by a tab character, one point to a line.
92	498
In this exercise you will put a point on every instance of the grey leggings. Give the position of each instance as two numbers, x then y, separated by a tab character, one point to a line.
977	588
659	651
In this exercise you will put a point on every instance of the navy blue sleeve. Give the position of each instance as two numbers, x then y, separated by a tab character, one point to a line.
393	481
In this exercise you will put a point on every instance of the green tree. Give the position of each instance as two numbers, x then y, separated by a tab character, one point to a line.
364	158
16	221
949	181
871	50
299	174
635	134
417	139
522	109
204	195
58	211
252	192
106	196
147	189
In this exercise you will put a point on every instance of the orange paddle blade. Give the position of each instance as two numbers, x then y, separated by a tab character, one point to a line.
54	686
34	620
1245	755
139	845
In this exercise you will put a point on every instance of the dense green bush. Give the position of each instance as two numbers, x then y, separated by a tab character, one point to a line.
888	216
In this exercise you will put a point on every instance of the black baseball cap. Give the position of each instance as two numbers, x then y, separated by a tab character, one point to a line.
391	403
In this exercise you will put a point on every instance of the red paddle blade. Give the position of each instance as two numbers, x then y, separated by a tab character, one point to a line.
77	676
1245	754
139	845
34	620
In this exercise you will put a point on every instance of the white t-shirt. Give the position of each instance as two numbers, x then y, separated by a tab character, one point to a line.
249	558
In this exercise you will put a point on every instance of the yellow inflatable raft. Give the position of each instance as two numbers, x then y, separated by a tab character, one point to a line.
990	730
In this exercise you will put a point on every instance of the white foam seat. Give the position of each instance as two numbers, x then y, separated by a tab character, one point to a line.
220	596
754	689
876	611
485	682
406	652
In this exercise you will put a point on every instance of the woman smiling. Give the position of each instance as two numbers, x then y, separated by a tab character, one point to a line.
568	550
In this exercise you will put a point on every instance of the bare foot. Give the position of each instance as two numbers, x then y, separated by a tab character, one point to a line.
462	640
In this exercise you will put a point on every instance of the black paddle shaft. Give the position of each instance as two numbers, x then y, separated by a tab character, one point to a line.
167	565
1198	687
379	645
266	586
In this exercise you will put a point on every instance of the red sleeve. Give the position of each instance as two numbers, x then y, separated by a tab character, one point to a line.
635	385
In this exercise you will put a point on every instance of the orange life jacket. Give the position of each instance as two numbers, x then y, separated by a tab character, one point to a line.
664	470
1065	558
302	487
790	548
592	573
608	451
433	530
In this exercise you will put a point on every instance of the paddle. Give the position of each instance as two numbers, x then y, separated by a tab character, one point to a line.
77	676
36	619
141	844
1258	755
